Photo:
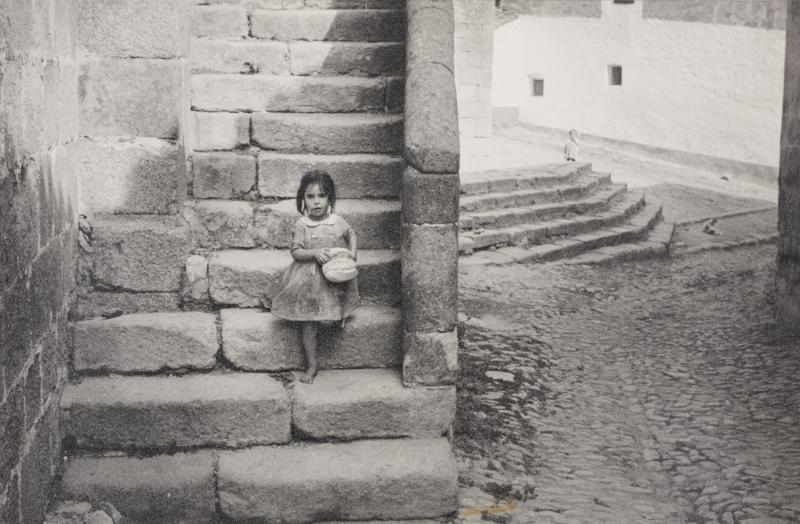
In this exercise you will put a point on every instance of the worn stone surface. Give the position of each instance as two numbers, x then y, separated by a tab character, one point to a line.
140	253
125	29
331	94
221	223
376	222
130	97
147	342
354	26
247	57
347	58
179	486
130	175
359	480
431	125
369	403
218	21
328	134
98	303
770	14
430	277
223	175
220	131
258	341
430	198
431	359
228	410
195	279
249	278
355	176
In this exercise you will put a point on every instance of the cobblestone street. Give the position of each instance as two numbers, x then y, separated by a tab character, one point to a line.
644	392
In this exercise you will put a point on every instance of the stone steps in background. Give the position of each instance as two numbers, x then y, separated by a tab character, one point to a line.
539	232
247	277
597	202
655	245
522	178
362	480
250	340
235	410
529	197
636	228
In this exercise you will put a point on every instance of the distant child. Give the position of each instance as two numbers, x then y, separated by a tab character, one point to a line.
571	148
306	296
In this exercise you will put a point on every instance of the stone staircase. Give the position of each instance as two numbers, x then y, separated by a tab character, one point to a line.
182	407
553	212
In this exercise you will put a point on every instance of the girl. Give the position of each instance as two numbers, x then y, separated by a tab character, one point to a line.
305	295
571	148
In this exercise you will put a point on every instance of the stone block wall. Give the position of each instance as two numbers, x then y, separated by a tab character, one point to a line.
474	27
38	194
132	102
766	14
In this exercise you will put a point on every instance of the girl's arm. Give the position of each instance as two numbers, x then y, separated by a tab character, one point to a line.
308	255
350	236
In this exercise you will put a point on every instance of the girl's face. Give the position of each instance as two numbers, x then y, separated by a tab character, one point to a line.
316	201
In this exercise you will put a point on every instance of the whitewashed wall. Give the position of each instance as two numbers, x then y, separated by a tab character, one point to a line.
694	87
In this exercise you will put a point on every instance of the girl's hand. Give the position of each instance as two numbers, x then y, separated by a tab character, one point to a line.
353	254
322	256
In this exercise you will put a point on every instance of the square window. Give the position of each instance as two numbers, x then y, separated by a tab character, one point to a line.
615	75
537	86
623	1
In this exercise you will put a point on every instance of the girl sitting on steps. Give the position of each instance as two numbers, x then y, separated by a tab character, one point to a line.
306	295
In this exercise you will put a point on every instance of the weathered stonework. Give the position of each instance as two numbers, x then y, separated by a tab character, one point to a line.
787	279
38	198
431	114
430	198
474	35
430	277
431	359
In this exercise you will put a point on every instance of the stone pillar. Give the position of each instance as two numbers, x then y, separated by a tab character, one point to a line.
787	288
430	192
474	36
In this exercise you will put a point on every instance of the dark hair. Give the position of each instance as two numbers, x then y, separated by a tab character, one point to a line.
325	184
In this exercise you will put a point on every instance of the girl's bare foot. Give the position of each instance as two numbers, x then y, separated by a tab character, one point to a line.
308	376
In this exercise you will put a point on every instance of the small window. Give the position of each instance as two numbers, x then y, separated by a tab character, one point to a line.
537	85
615	75
623	1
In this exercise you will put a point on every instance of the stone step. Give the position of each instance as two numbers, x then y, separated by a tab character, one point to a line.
254	340
328	134
297	58
370	403
146	342
250	277
164	488
297	94
528	197
223	224
511	216
348	25
657	244
362	480
521	178
355	176
165	412
636	229
543	232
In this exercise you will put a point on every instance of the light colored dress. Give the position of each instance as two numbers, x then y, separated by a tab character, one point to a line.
571	150
305	293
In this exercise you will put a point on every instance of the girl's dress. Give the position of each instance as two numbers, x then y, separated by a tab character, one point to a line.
571	150
305	293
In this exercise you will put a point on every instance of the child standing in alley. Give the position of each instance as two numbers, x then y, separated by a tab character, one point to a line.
306	295
571	148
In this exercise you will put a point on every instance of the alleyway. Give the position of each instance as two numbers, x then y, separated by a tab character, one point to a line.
646	392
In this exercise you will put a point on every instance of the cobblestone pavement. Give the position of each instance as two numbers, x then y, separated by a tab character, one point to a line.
649	392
